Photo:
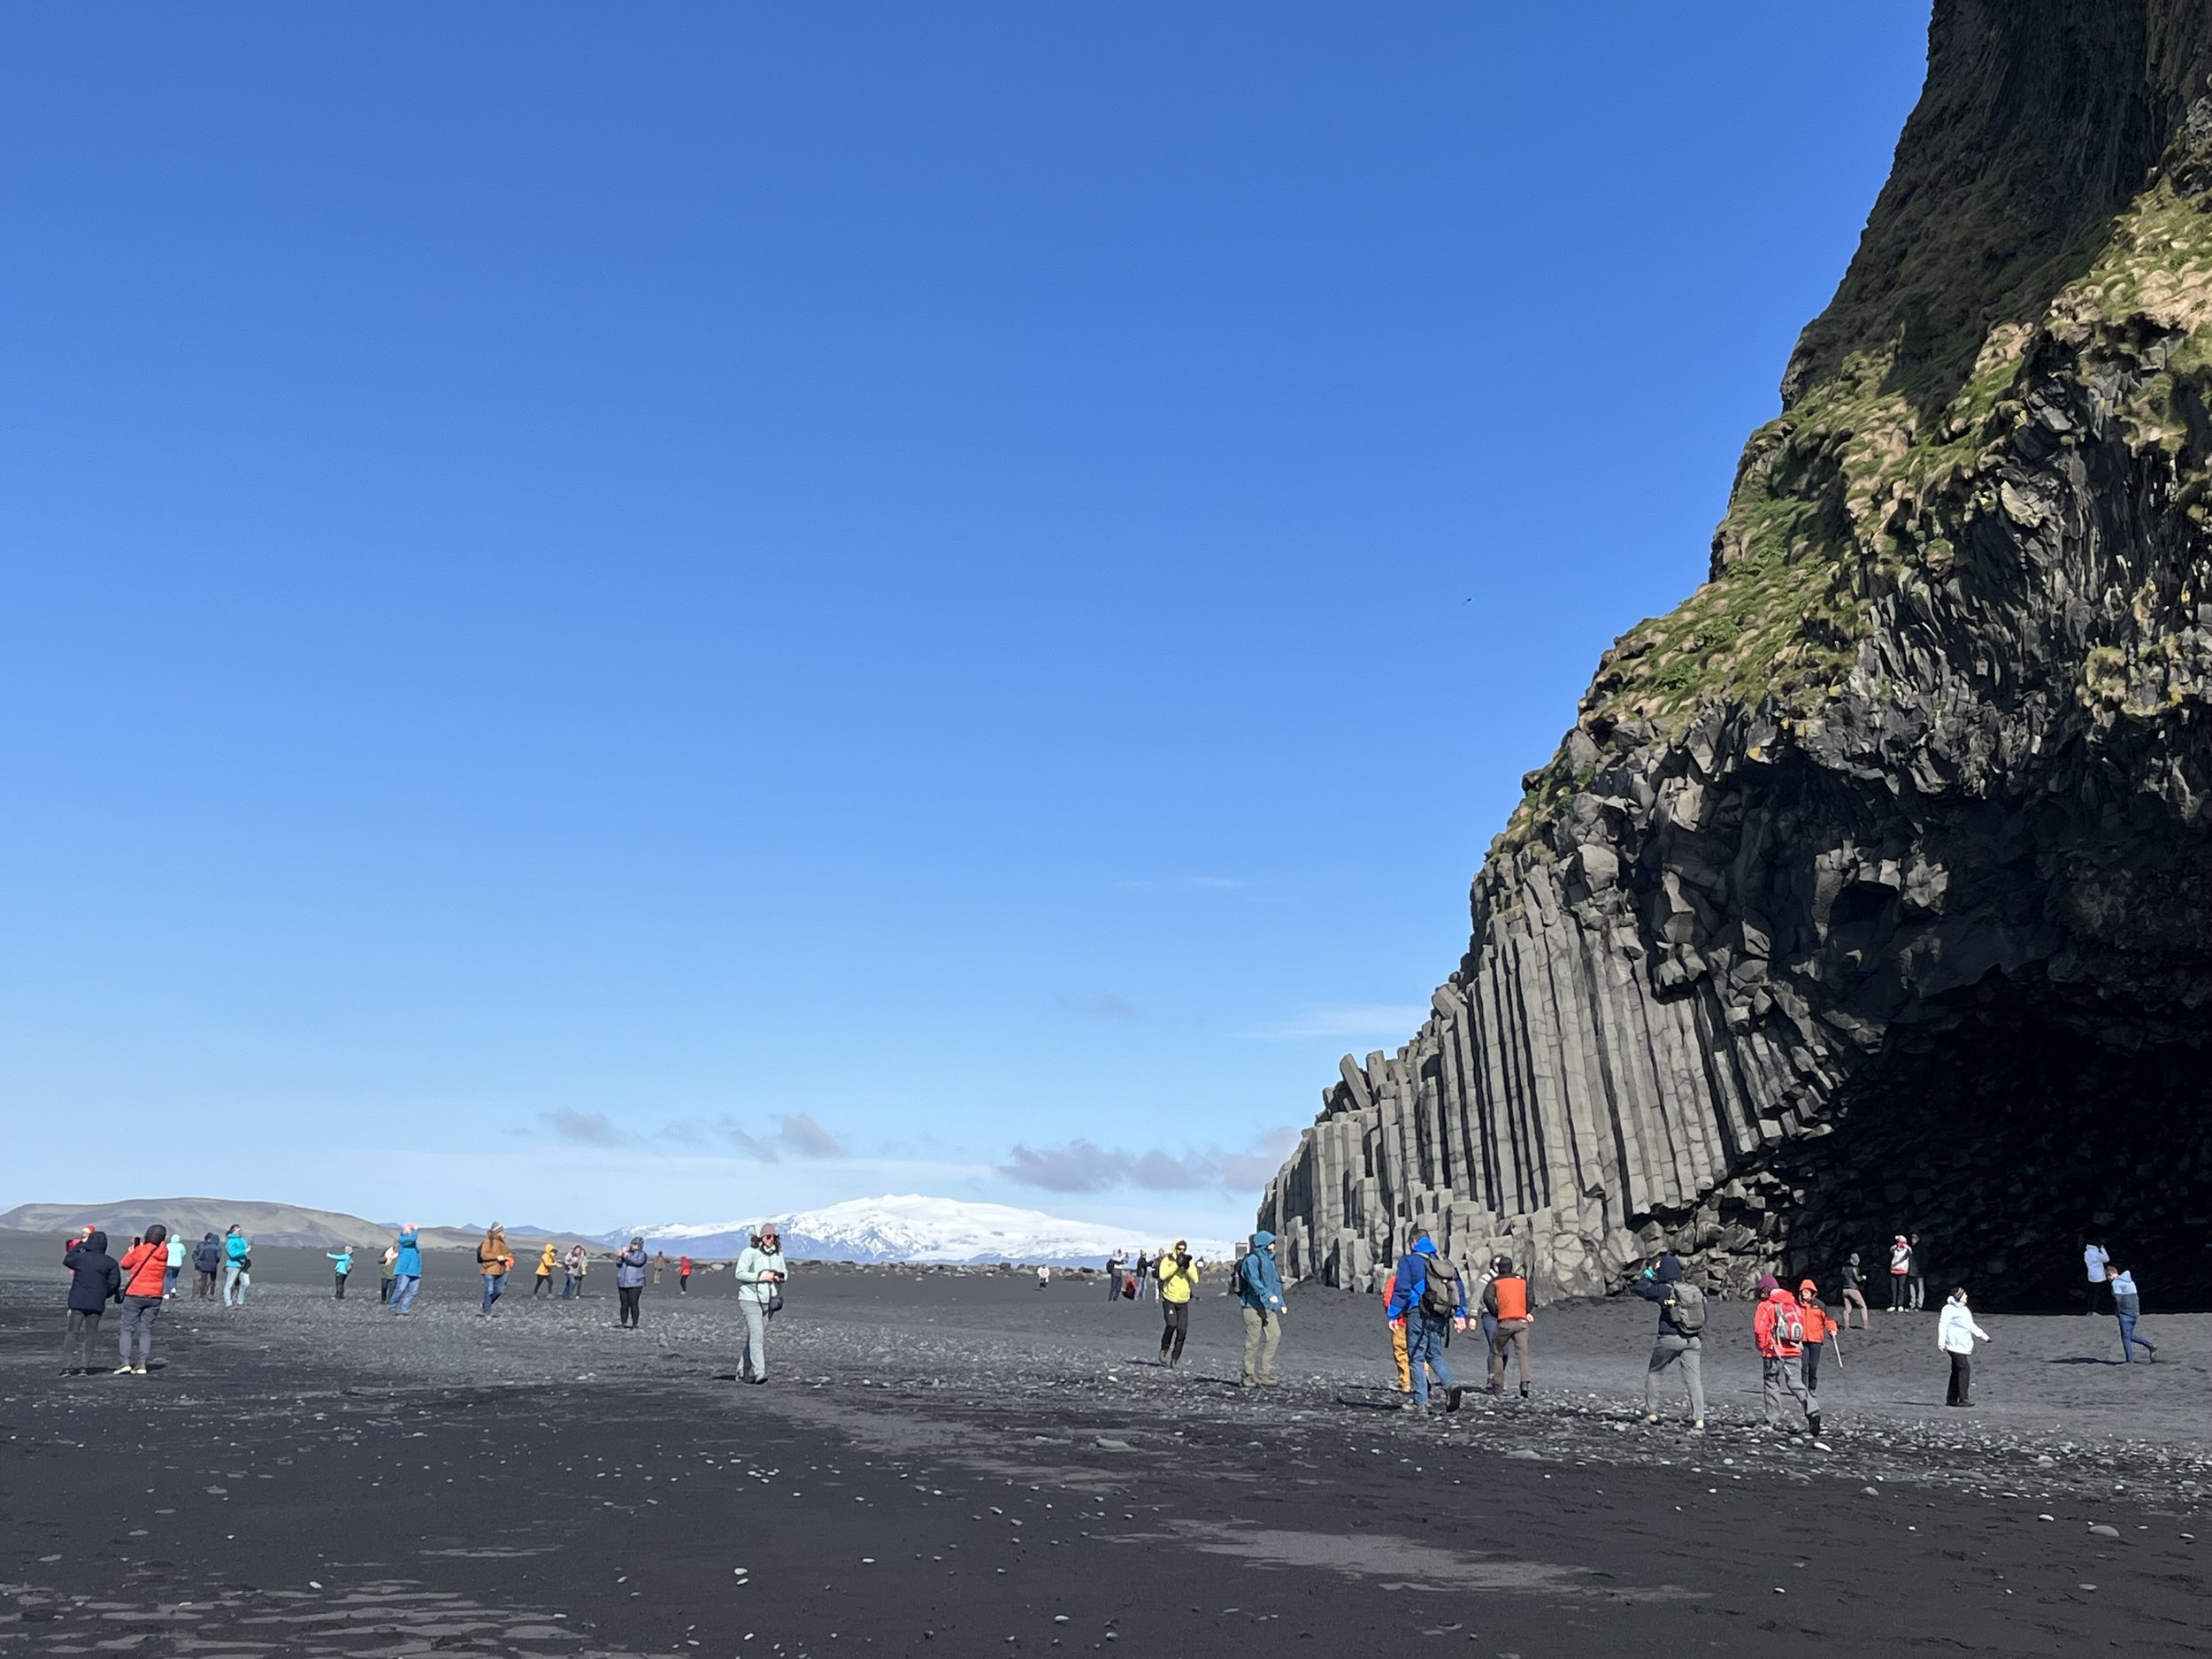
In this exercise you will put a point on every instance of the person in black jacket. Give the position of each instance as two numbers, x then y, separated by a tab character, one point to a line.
207	1261
1680	1344
97	1281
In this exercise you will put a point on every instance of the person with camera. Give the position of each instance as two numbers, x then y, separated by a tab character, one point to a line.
1178	1276
760	1272
1681	1340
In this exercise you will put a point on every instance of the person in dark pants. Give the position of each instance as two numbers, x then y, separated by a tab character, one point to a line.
342	1269
683	1276
1956	1334
1178	1276
1917	1281
629	1281
207	1262
96	1281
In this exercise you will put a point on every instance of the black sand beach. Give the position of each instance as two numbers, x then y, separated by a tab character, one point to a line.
964	1464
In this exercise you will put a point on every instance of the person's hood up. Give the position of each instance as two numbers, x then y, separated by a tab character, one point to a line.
2124	1281
1262	1239
1180	1244
1769	1284
1670	1268
1425	1246
96	1241
1855	1258
1805	1287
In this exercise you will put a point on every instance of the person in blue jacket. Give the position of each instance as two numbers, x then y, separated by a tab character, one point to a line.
409	1266
237	1265
1259	1286
1426	1328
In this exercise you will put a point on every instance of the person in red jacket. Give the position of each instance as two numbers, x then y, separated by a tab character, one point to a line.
145	1268
683	1276
1778	1327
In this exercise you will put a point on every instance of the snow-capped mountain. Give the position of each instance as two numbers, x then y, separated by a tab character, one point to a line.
914	1228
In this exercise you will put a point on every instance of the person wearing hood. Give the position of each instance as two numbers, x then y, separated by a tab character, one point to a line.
1178	1277
1428	1293
1778	1329
407	1269
96	1280
1259	1288
683	1275
143	1267
173	1268
1853	1292
1818	1328
629	1282
207	1262
549	1258
759	1273
495	1260
1680	1344
237	1266
1956	1334
2129	1307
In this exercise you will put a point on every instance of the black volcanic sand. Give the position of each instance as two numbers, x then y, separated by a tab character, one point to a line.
964	1464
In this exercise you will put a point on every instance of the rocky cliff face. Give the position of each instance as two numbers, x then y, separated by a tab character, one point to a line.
1872	889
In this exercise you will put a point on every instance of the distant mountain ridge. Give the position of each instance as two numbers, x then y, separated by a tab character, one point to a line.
914	1228
274	1224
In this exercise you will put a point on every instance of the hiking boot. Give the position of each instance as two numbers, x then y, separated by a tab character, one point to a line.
1812	1425
1452	1396
1247	1382
1523	1391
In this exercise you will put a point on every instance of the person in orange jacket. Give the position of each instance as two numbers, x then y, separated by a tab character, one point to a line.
144	1269
1818	1327
1779	1328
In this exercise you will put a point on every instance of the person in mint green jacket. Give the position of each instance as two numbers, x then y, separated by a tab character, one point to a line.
342	1259
237	1263
759	1273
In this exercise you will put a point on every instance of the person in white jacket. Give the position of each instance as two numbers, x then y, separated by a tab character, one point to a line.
1956	1334
758	1272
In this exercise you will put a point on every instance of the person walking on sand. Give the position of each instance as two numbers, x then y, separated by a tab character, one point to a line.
2129	1308
660	1262
495	1261
174	1268
1044	1276
760	1272
1778	1329
1900	1270
237	1263
549	1258
1853	1292
1507	1300
629	1283
1680	1344
207	1263
1396	1325
1178	1277
1956	1334
141	1268
1428	1293
94	1281
1487	1320
342	1266
388	1274
1259	1290
2097	1262
407	1274
1818	1328
683	1276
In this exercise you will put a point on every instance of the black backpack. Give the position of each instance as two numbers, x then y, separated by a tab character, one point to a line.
1440	1289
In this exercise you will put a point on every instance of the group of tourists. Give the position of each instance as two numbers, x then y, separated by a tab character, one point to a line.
1427	1299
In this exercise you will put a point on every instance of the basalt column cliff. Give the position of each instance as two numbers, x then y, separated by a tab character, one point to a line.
1872	889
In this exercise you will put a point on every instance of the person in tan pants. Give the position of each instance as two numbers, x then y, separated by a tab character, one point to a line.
1507	1300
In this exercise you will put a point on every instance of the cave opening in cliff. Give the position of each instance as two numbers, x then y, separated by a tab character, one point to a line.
2006	1130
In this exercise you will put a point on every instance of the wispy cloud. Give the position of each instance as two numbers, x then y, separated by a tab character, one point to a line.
1084	1166
589	1129
792	1133
1393	1021
807	1139
1099	1005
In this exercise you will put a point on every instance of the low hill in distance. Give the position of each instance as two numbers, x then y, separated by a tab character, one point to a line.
273	1224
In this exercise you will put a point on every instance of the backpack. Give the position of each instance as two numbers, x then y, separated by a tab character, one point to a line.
1686	1308
1440	1289
1789	1324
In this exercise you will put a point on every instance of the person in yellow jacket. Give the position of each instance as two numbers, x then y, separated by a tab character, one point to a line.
1178	1276
548	1260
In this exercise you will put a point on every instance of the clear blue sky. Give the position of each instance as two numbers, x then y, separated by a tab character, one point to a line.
621	614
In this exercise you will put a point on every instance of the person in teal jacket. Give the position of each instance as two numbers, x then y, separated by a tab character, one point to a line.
1259	1286
409	1266
342	1260
237	1259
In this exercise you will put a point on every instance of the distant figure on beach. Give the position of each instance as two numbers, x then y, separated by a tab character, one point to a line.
1680	1344
1396	1326
207	1262
2097	1263
1956	1334
494	1261
175	1267
1853	1292
760	1272
549	1258
142	1269
1113	1275
94	1281
572	1267
1900	1272
1044	1276
629	1283
1507	1300
1178	1278
342	1266
388	1274
1259	1290
1778	1329
408	1266
2129	1308
237	1266
1818	1328
660	1260
1916	1275
683	1276
1428	1293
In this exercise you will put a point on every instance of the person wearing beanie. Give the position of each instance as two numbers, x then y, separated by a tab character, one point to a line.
1779	1328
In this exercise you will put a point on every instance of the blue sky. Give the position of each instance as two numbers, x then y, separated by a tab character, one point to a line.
663	614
